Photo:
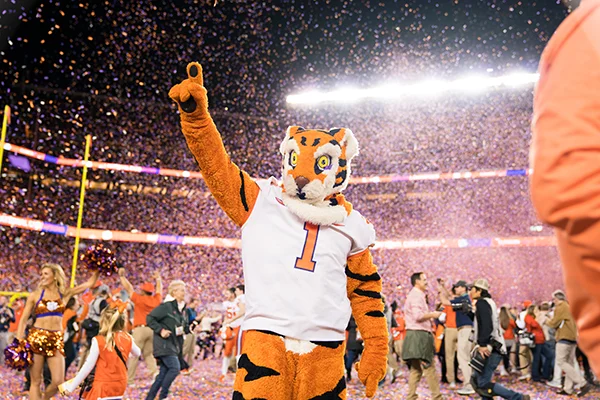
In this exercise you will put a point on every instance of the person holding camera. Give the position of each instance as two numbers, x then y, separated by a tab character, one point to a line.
490	346
461	304
7	315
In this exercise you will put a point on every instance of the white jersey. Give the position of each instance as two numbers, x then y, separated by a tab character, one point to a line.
295	271
229	307
241	299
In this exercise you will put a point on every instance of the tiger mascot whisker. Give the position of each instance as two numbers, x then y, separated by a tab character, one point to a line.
306	258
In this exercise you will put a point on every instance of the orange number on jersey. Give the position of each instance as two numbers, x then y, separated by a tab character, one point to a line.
305	261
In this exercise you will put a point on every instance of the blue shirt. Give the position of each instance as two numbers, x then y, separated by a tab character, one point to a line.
462	319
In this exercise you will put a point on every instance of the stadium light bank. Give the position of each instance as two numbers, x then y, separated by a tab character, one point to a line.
427	88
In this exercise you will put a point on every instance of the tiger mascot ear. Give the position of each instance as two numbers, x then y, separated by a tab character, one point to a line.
347	140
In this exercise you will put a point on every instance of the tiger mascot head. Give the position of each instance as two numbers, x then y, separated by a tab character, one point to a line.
316	168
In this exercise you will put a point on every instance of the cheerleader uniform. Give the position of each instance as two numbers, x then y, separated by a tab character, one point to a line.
110	380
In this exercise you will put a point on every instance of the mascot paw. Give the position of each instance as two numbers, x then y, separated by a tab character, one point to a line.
370	376
190	94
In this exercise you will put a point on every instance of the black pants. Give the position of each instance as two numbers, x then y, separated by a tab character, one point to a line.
70	354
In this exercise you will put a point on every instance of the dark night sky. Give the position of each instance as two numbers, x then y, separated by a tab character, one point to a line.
257	53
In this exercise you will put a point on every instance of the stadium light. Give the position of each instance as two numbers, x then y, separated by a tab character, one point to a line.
427	88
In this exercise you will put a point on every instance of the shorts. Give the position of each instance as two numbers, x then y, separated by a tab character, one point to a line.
46	343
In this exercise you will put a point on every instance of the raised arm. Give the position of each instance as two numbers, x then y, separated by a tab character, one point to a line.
125	282
83	287
233	188
159	284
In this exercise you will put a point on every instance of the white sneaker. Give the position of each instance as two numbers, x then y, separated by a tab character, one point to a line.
466	390
525	377
503	372
553	384
452	386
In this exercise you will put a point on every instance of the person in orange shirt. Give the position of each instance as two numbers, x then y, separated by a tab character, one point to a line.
508	325
108	354
565	157
142	334
539	350
71	329
450	343
17	307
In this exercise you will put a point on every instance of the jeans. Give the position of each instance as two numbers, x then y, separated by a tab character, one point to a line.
169	369
541	350
349	359
482	381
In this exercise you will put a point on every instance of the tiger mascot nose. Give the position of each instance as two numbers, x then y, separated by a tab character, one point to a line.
301	181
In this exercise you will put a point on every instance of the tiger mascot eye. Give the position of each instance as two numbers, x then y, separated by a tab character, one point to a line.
306	259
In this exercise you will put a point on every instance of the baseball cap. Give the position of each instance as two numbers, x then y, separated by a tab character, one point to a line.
481	284
147	287
461	283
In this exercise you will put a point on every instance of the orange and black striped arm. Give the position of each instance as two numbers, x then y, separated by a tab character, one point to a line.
364	291
233	188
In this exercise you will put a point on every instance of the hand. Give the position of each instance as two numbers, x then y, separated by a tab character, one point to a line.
121	272
190	95
156	275
165	333
485	353
436	314
442	281
373	364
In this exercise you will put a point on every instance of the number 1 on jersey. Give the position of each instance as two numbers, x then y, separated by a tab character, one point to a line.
305	261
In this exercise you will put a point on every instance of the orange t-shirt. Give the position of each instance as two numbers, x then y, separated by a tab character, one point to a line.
67	316
142	307
450	317
15	325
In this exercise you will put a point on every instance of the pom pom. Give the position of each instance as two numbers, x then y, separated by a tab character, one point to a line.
100	258
18	355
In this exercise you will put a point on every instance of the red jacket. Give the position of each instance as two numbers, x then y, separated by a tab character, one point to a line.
535	328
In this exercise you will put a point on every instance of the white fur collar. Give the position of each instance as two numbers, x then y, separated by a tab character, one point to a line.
321	213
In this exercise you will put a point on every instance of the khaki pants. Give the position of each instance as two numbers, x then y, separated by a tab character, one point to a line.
565	358
525	360
450	346
398	347
464	353
143	337
392	362
189	348
416	372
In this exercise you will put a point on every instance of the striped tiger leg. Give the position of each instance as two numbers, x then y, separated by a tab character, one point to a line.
320	373
263	369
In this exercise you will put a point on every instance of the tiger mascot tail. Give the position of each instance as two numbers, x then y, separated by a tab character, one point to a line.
306	258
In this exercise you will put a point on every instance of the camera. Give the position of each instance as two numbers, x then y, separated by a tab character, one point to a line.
465	306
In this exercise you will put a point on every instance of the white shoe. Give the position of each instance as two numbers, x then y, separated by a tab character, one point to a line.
466	390
553	384
525	377
452	386
503	373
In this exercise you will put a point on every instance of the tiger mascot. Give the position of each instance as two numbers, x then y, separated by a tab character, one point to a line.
306	259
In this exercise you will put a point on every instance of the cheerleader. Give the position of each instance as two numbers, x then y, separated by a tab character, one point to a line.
108	354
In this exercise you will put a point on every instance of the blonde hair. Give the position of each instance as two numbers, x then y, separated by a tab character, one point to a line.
111	321
59	276
174	284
